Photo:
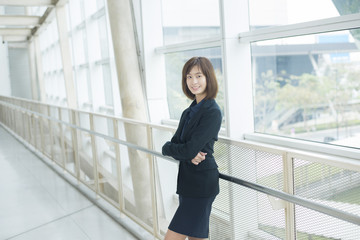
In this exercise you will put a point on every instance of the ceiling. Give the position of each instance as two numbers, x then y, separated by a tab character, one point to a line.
22	19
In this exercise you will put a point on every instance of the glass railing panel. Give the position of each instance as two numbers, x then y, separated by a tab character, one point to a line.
221	217
104	125
252	215
68	142
37	132
108	183
65	115
54	112
47	137
166	197
83	120
136	180
332	186
238	212
18	123
136	172
314	225
32	130
159	138
57	146
26	126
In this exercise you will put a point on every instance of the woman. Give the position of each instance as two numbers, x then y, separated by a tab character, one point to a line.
193	145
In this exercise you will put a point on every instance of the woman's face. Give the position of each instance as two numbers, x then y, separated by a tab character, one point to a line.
196	82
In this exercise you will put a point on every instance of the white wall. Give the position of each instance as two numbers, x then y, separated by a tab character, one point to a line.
5	88
20	73
5	84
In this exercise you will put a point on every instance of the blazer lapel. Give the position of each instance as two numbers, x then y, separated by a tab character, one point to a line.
181	124
195	118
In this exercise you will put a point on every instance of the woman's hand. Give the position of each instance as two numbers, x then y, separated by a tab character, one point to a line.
198	158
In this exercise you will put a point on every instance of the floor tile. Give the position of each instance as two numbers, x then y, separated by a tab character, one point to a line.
65	229
99	226
37	203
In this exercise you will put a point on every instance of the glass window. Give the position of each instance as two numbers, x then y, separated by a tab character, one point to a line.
103	35
75	12
308	87
94	41
281	12
174	63
83	86
90	7
79	47
107	85
187	20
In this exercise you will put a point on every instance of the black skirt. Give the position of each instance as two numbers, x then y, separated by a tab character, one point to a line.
192	217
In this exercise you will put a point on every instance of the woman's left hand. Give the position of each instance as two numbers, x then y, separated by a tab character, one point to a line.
198	158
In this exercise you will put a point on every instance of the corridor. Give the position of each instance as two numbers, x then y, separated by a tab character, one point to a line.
37	203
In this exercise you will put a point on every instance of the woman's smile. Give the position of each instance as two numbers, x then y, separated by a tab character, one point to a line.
196	82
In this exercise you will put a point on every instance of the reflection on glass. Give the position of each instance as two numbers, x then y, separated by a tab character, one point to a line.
177	101
308	87
281	12
187	20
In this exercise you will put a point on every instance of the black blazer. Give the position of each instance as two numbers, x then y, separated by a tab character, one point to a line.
200	134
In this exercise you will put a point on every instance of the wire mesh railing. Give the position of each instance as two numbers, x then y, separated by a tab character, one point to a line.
266	192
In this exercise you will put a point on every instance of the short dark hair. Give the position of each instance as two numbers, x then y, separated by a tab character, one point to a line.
208	70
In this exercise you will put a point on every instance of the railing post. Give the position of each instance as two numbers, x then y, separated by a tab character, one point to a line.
62	142
51	135
153	183
118	166
42	142
94	153
289	188
74	133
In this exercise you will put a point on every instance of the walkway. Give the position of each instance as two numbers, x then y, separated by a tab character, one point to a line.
37	203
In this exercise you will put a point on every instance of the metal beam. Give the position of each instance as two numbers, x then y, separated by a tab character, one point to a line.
44	18
15	31
15	38
15	20
28	3
66	56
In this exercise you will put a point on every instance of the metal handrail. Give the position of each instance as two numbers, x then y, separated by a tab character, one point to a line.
348	217
294	199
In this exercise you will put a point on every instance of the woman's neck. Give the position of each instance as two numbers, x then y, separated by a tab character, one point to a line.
199	98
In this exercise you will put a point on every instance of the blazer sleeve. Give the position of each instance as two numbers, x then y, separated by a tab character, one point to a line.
206	131
179	129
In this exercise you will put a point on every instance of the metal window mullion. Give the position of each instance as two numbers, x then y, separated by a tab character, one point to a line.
186	46
345	22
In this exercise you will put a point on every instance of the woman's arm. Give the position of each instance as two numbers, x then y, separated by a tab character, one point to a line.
206	131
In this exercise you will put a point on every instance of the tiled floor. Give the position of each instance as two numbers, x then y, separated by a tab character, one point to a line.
36	203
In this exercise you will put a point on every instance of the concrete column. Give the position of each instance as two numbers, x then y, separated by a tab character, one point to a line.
32	63
5	82
39	69
132	99
237	65
65	56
